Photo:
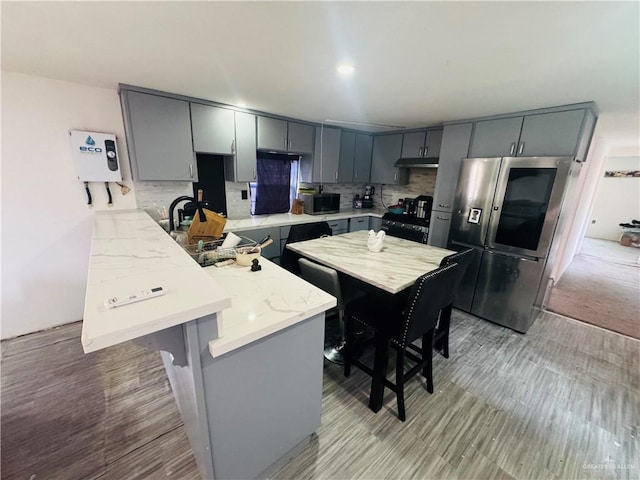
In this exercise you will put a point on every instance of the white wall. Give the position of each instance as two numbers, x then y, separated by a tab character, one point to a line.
46	224
617	200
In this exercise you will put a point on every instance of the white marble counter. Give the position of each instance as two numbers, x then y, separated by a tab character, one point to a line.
395	268
131	252
282	219
263	303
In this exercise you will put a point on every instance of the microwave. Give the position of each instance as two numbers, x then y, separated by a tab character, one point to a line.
319	203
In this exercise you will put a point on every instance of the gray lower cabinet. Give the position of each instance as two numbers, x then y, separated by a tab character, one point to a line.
339	226
439	228
386	151
455	146
283	136
358	223
557	133
158	133
326	155
257	235
375	223
355	157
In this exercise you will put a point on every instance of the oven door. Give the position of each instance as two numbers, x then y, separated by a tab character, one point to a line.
406	233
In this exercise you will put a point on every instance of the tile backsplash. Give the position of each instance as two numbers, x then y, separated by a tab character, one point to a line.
422	181
152	195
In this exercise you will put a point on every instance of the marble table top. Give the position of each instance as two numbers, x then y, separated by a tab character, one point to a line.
395	268
130	252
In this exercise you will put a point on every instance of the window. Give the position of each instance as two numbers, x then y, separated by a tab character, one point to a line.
277	183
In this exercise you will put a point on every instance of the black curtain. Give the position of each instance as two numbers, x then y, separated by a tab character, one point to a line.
272	189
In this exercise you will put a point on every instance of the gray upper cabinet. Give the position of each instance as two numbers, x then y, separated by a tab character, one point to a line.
551	134
455	146
158	137
386	151
326	155
347	157
422	144
241	167
413	144
433	143
272	134
557	133
283	136
496	138
355	157
213	129
362	158
300	137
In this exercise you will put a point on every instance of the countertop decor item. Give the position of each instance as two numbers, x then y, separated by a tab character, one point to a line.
397	209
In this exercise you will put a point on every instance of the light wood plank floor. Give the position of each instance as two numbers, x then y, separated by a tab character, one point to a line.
562	401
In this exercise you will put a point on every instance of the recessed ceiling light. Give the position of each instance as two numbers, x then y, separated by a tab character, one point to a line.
346	69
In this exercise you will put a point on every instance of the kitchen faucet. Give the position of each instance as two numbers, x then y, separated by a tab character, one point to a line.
203	217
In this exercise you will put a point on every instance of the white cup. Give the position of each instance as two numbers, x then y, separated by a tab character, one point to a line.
231	240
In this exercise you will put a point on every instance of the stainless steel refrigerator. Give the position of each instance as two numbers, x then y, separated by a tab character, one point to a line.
507	210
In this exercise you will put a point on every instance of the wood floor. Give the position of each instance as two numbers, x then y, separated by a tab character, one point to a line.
601	286
562	401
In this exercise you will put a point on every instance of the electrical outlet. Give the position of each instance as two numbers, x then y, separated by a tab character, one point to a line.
244	194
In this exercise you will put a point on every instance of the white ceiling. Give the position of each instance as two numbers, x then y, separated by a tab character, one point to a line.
418	63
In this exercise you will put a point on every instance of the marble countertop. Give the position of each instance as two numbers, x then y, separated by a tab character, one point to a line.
395	268
130	252
283	219
263	303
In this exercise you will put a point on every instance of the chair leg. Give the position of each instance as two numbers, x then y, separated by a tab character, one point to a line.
379	372
445	324
348	345
427	358
400	384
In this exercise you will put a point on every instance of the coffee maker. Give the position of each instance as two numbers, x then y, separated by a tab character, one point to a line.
367	198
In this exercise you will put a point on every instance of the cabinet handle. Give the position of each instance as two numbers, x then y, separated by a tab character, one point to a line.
395	176
233	147
254	173
512	150
420	152
355	176
442	218
336	176
426	149
444	206
191	170
286	143
521	149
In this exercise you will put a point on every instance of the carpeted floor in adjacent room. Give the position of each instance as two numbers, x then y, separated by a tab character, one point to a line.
601	287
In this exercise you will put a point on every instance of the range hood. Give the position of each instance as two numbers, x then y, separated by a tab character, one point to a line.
418	162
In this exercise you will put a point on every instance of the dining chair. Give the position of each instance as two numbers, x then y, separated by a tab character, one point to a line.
299	233
327	279
399	328
441	336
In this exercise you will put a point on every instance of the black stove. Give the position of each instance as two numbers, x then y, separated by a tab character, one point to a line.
406	226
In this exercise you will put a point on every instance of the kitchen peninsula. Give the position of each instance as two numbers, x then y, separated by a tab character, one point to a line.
242	350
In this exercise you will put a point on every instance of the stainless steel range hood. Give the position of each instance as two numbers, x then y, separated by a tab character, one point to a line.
419	162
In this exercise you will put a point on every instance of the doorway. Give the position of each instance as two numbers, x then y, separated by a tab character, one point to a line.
601	286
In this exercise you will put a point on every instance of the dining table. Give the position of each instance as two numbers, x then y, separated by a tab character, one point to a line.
390	272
